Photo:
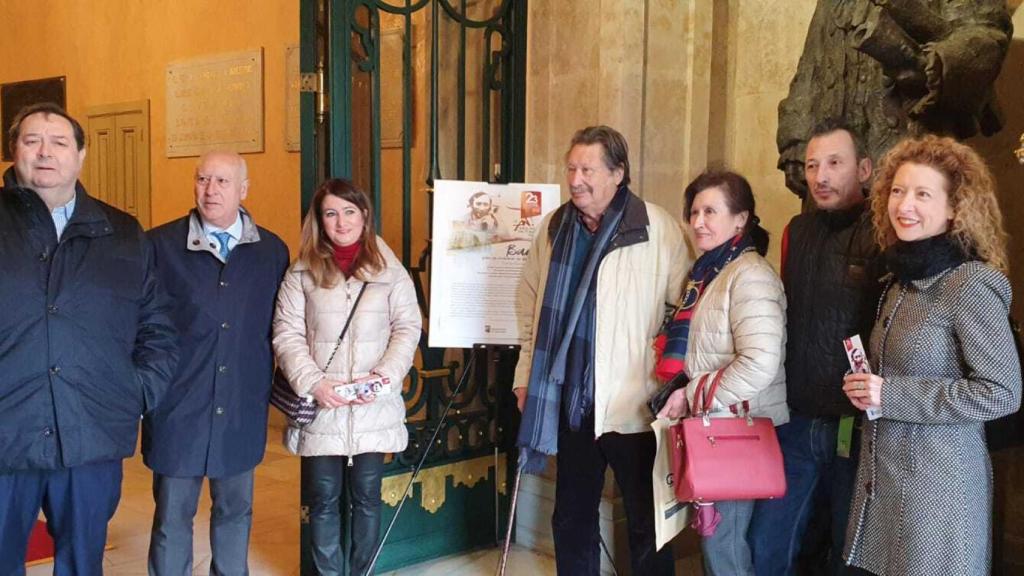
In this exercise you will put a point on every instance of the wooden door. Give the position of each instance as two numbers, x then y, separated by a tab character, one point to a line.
117	160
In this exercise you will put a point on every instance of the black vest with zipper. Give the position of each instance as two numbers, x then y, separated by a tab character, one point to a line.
831	274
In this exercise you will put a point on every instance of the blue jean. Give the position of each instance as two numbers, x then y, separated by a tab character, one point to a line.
177	499
814	475
78	503
726	552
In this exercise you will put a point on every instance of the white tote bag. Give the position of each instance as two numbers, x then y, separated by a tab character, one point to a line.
670	515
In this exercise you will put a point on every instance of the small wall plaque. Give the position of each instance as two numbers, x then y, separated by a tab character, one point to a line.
215	102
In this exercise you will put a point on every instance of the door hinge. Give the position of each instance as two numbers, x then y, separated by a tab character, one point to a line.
309	81
313	82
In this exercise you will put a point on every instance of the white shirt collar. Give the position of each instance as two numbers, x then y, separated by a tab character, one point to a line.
235	230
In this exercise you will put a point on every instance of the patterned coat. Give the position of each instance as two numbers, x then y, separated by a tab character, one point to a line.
923	500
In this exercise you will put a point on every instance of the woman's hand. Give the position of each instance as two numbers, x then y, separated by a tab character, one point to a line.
676	405
328	398
369	397
863	390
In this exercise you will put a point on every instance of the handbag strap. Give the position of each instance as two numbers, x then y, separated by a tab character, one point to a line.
697	394
348	321
704	397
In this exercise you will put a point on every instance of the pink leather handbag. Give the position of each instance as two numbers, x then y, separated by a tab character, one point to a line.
725	458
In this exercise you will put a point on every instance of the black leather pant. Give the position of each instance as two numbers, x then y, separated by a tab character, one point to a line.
323	478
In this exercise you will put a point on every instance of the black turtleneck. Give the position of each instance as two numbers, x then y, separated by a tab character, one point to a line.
919	259
841	219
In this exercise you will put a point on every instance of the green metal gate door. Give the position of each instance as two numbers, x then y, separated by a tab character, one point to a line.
395	96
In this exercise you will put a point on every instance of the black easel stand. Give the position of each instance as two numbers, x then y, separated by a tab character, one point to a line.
477	348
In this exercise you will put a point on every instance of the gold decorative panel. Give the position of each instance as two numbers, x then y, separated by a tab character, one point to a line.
433	480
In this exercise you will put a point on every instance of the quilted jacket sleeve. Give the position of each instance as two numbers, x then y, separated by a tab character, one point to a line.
406	324
291	348
757	324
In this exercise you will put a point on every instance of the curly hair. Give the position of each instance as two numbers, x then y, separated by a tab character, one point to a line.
977	226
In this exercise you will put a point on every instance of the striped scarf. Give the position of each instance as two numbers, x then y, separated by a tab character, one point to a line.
673	339
556	328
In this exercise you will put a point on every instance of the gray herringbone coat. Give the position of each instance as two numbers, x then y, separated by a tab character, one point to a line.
923	499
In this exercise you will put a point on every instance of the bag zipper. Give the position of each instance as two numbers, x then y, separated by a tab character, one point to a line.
715	439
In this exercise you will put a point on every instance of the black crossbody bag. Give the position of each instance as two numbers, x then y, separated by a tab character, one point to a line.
301	410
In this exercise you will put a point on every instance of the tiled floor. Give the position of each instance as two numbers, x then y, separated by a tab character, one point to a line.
274	544
274	548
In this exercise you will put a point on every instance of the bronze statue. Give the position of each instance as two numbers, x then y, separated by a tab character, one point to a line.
892	68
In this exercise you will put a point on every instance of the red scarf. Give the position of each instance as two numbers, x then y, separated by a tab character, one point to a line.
345	257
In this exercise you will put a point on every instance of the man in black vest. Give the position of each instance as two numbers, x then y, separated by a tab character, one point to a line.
222	271
831	278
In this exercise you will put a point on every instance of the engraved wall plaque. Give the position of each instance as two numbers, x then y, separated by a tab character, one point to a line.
292	129
215	102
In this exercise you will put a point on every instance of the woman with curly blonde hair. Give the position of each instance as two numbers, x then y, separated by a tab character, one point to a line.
977	223
945	363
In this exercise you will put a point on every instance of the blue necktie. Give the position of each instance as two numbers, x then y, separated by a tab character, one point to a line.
223	237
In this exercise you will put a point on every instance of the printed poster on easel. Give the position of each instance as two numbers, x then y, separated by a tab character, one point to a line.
482	235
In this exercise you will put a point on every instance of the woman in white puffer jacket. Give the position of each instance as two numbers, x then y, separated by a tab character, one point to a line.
339	257
732	320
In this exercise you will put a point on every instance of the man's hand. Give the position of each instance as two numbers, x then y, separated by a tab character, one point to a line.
520	398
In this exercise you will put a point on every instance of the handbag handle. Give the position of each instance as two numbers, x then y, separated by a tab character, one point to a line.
702	398
348	321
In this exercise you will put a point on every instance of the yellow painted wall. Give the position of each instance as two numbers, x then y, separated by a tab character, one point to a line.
117	50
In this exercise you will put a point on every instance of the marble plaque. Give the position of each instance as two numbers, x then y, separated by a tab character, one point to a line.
215	102
292	125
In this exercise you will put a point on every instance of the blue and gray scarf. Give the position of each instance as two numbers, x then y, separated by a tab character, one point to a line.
565	329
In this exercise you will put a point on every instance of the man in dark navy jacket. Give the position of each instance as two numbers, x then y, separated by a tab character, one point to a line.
86	346
222	272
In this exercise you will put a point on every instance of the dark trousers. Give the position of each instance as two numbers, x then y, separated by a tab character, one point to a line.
170	543
323	479
581	466
78	503
815	477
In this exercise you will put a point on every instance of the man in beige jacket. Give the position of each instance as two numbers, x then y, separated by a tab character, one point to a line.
600	275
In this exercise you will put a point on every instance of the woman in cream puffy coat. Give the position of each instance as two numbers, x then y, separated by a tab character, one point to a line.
737	327
340	255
